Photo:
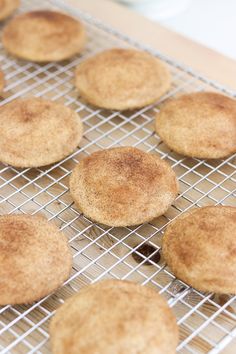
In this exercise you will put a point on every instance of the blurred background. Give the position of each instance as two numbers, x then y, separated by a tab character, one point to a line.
210	22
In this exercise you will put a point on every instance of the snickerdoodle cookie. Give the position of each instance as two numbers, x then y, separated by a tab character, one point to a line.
114	316
201	125
122	79
43	36
200	248
35	258
123	186
36	132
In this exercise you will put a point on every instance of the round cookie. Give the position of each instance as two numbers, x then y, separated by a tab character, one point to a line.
122	79
200	249
7	7
35	258
43	36
36	132
123	186
201	125
114	316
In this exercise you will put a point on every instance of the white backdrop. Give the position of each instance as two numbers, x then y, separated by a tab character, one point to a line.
211	22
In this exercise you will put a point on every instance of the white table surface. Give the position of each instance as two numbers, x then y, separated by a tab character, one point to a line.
210	22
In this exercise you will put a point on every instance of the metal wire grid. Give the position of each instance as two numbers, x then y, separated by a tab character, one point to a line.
207	322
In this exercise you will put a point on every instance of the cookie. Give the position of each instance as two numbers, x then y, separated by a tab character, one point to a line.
7	7
36	132
44	36
123	186
122	79
114	316
200	249
200	124
35	258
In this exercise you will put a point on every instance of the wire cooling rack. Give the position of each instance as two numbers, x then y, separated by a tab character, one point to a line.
207	322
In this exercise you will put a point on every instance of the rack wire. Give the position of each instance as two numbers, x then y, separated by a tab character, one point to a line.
207	322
